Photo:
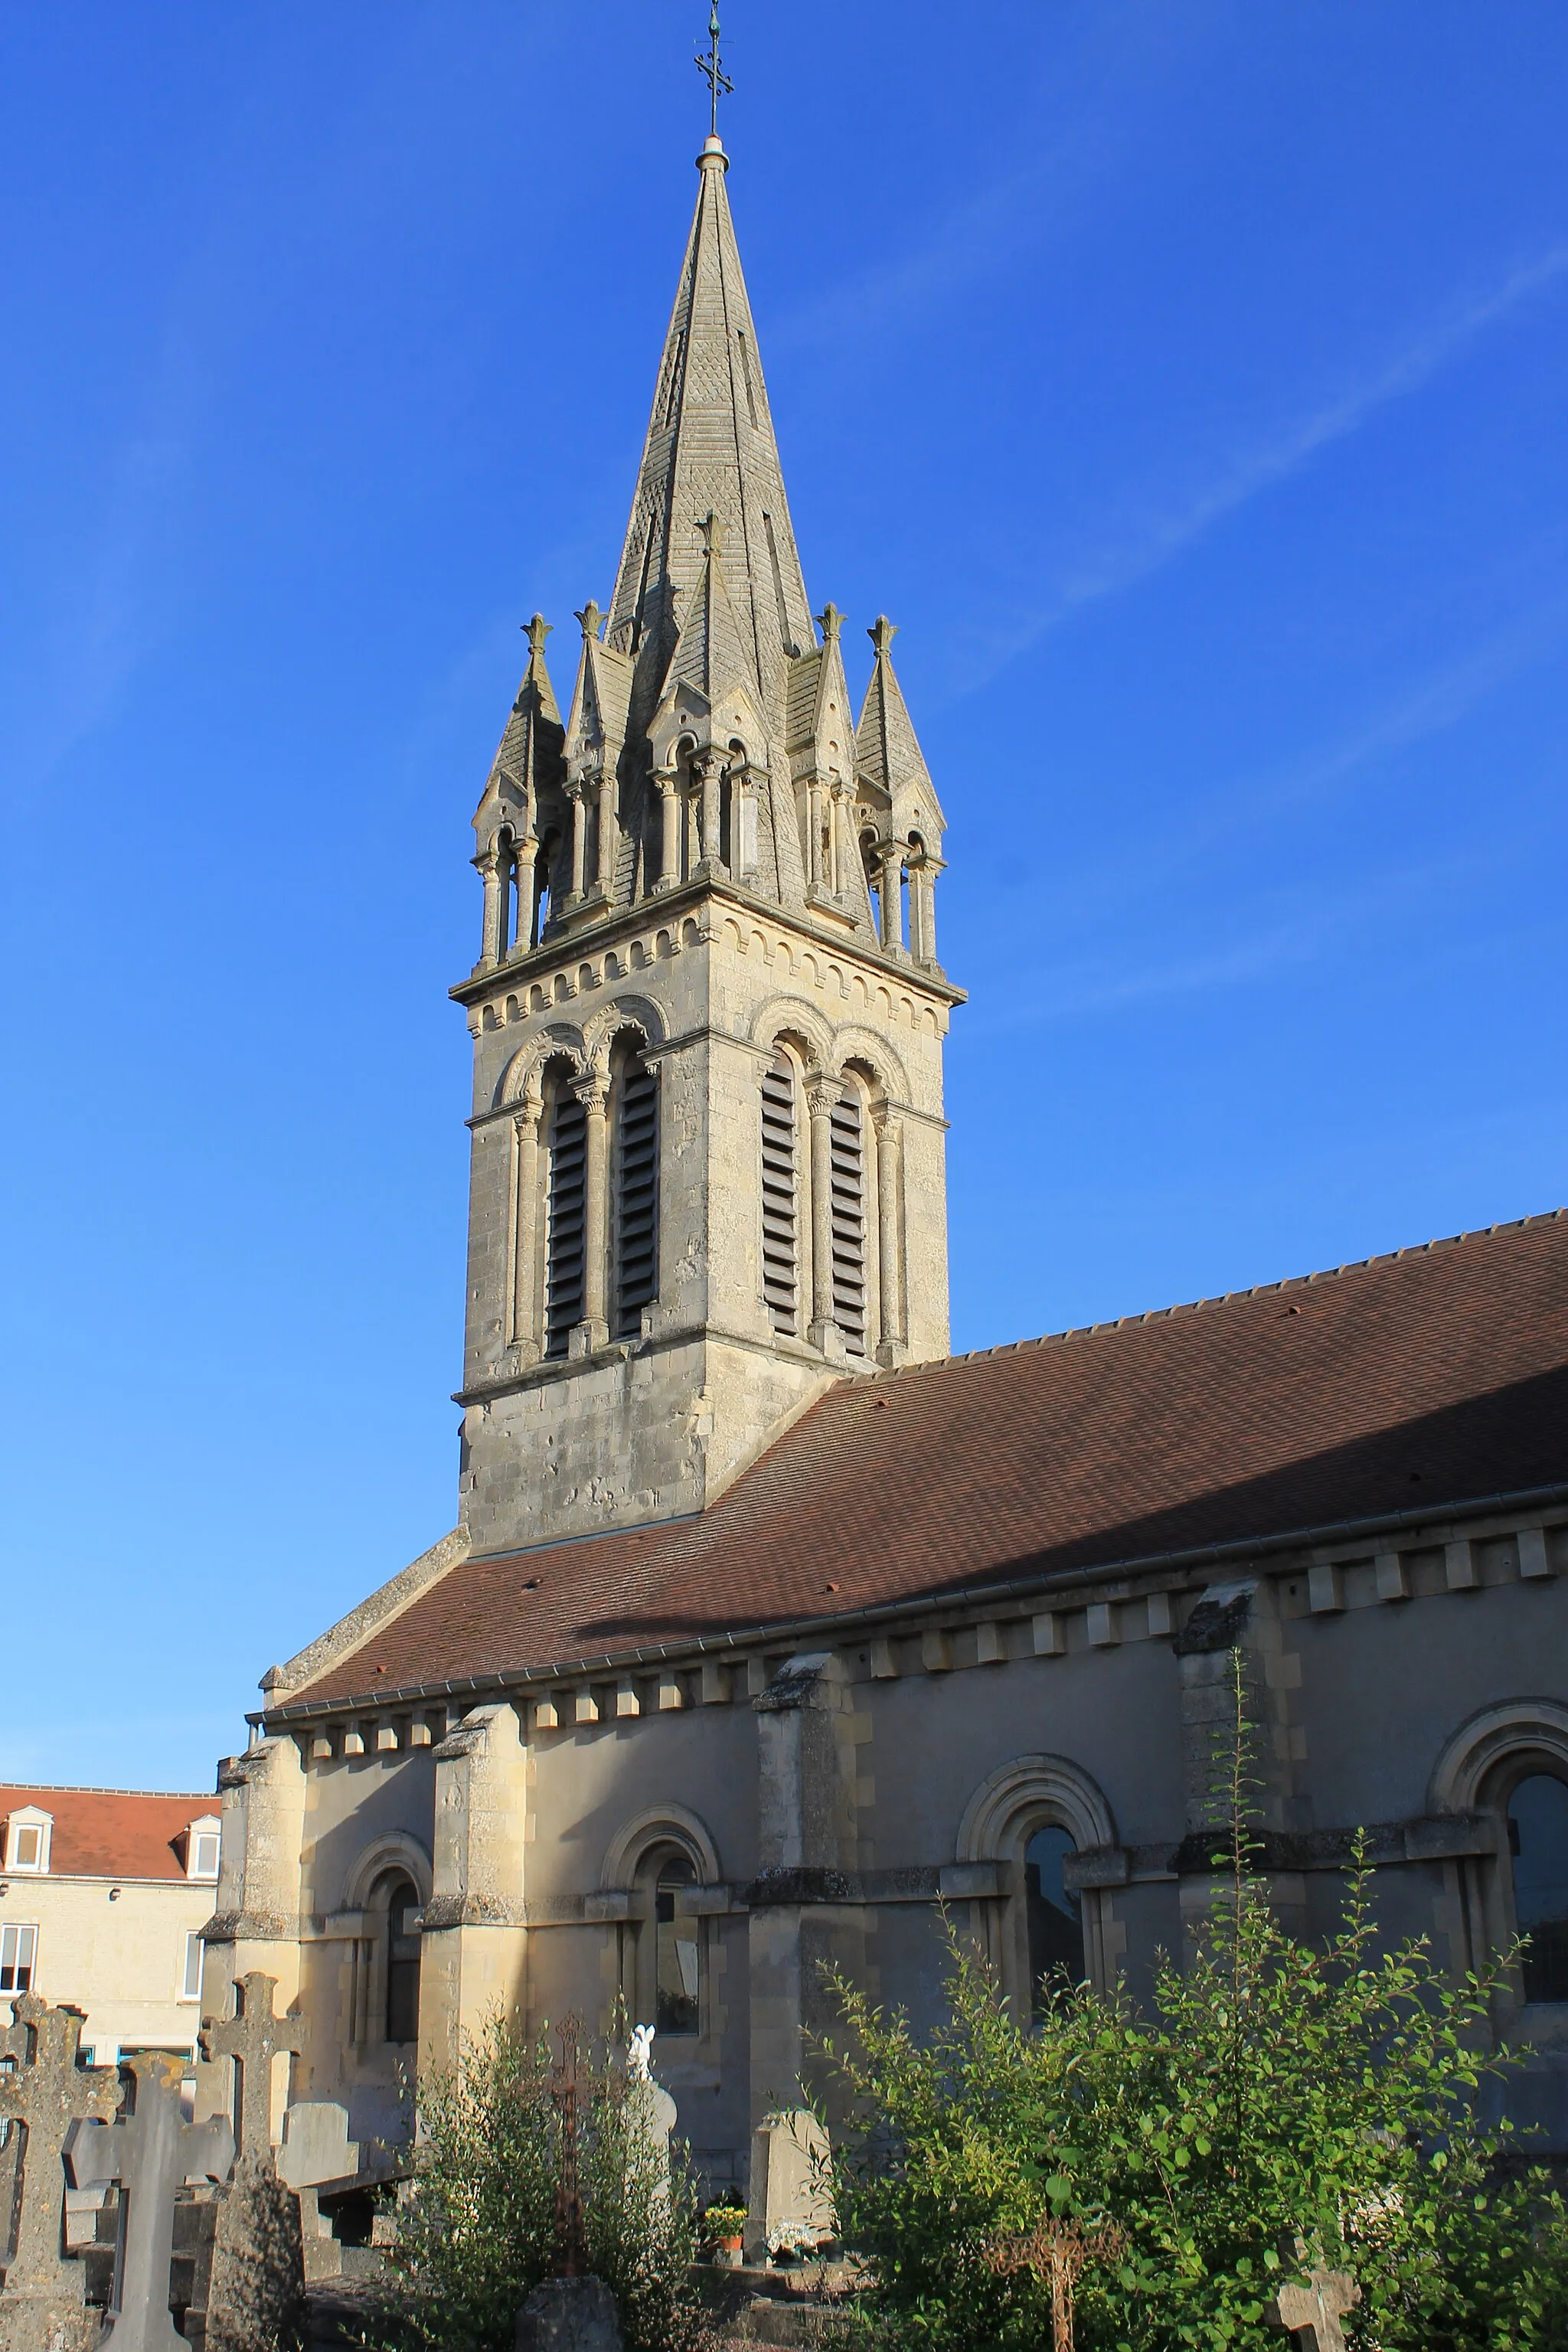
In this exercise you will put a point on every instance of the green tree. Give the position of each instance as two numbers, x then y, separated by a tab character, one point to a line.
1280	2102
477	2221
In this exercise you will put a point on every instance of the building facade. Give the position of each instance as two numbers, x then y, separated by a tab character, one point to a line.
768	1629
103	1897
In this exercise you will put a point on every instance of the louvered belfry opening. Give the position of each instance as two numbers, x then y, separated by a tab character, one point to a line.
848	1164
781	1197
564	1204
635	1109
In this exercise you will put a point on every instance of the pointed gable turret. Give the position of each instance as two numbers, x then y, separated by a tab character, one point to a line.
521	804
905	819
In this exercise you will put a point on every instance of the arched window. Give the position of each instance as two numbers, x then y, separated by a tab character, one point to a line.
634	1238
1054	1922
396	1900
1020	1832
848	1218
1537	1840
678	1958
781	1194
566	1148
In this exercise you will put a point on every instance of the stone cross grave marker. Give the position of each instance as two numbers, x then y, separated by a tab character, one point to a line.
150	2152
1313	2312
252	2037
45	2093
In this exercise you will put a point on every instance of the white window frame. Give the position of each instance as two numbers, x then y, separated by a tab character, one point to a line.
12	1933
208	1826
30	1817
195	1948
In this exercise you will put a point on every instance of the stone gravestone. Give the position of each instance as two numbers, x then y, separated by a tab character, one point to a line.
44	2094
569	2314
317	2149
149	2151
788	2201
1313	2312
248	2290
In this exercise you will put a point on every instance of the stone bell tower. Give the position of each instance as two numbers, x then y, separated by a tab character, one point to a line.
708	1016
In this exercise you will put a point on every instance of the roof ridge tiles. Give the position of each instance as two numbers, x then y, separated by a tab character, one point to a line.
91	1789
1224	1298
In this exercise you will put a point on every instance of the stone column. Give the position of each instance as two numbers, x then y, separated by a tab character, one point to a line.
258	1918
926	874
594	1093
523	1234
474	1939
836	839
579	806
744	820
605	862
814	832
804	1907
892	896
492	942
890	1228
705	771
821	1096
666	784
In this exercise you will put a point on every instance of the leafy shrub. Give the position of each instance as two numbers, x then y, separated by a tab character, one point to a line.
477	2221
1281	2103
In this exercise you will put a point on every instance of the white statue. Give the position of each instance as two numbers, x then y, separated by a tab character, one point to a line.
640	2053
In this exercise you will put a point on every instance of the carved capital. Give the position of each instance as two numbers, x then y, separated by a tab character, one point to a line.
823	1095
593	1092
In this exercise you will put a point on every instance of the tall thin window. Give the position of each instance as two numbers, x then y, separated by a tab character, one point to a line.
563	1218
781	1197
1538	1835
678	1953
849	1171
403	1962
543	867
635	1228
192	1985
18	1956
1055	1924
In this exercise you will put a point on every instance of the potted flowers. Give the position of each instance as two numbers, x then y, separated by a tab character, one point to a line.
724	2225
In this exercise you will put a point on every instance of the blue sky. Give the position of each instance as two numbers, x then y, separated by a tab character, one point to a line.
1188	384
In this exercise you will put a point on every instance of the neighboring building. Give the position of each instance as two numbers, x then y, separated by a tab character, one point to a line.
766	1625
103	1897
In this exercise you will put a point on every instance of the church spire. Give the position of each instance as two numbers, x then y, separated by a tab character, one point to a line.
709	451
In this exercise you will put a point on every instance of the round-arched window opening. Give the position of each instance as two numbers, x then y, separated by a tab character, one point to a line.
677	1954
402	1959
1538	1839
1055	1924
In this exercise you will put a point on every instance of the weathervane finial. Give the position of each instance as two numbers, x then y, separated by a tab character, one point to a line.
712	66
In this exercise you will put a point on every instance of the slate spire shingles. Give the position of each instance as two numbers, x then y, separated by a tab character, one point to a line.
710	450
1438	1376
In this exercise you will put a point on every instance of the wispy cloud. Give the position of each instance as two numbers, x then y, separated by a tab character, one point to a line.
1164	531
1299	928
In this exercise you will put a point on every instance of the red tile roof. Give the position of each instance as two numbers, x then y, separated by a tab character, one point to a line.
1437	1375
112	1832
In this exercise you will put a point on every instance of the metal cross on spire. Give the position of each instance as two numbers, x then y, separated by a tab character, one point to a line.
718	82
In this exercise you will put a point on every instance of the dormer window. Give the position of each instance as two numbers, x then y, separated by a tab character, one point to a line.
201	1847
27	1841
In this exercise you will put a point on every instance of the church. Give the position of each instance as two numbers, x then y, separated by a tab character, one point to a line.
770	1632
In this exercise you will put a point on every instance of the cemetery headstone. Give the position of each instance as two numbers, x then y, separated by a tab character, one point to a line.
149	2151
248	2281
1313	2312
316	2145
569	2314
788	2203
43	2095
252	2038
